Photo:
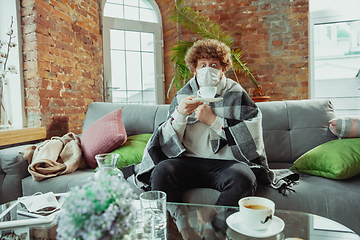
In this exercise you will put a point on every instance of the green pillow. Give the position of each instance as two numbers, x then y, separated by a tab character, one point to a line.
132	150
337	159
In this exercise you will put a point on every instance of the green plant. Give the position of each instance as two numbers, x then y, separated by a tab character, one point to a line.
205	28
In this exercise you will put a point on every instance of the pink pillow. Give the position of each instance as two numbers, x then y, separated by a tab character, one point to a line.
102	136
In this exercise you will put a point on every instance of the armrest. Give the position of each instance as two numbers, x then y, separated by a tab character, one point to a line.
13	168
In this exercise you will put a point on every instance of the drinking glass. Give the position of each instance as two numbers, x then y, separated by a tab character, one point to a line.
153	213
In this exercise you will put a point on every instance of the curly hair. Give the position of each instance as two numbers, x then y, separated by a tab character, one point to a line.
208	48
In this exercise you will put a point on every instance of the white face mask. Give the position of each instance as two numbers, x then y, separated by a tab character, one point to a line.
208	76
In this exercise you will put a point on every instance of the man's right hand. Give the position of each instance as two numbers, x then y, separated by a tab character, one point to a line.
188	105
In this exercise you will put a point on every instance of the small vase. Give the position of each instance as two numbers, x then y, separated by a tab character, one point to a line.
4	118
107	163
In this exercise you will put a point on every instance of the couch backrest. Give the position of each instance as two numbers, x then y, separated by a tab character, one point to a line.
291	128
137	119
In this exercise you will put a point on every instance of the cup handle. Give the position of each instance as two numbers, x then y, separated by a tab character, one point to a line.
198	93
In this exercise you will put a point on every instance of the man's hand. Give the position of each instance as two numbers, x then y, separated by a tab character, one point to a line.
205	114
188	105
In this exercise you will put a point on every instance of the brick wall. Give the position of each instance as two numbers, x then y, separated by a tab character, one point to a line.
63	62
63	58
273	35
170	37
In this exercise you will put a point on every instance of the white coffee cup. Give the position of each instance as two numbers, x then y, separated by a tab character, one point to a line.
207	92
258	212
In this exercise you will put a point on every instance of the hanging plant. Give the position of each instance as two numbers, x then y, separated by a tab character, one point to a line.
205	28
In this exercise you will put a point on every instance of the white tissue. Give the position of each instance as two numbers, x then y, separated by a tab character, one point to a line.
40	203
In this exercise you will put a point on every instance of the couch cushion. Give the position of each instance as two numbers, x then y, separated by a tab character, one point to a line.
292	128
13	168
132	151
59	184
337	159
104	135
345	127
325	197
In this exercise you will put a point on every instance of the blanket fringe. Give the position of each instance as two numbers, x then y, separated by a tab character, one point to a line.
287	186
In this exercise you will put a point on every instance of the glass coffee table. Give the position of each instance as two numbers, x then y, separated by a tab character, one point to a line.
297	225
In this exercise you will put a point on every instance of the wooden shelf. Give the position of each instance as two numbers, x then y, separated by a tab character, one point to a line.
12	136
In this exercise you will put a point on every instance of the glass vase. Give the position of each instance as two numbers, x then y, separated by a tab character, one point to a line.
107	164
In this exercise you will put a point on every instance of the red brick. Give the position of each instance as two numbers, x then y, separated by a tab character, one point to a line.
44	65
62	15
48	40
277	42
27	3
49	93
253	37
33	93
29	28
42	21
30	74
30	65
27	20
32	102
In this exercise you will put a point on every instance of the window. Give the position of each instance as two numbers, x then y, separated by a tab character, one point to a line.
133	60
335	54
12	109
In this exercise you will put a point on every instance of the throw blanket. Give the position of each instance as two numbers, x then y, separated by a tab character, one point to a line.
243	129
60	155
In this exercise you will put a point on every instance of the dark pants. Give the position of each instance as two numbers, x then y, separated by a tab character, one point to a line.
234	180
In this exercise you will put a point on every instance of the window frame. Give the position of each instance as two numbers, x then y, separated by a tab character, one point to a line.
131	25
16	81
323	17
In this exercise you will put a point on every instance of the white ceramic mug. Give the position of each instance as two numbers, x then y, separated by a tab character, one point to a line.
258	212
207	92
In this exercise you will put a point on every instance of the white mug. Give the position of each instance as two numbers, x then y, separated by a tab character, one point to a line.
258	212
207	92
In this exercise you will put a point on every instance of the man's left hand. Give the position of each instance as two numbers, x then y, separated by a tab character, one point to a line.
205	114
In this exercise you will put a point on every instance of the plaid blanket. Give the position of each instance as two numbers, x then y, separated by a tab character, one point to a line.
243	131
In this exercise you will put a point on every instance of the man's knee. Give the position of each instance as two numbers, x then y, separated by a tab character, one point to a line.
243	179
162	170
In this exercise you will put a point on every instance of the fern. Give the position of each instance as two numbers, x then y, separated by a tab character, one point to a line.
205	28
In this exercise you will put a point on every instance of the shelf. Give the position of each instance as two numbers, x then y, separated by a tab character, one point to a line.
12	136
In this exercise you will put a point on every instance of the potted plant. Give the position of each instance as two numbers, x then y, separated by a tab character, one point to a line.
205	28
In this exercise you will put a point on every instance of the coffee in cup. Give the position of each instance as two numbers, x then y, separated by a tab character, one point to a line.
257	211
207	92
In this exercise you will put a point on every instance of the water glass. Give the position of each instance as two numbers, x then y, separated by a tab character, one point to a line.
153	213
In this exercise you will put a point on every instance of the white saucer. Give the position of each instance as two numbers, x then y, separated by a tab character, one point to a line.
234	221
208	99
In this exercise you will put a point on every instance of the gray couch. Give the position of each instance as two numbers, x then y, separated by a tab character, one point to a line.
290	129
